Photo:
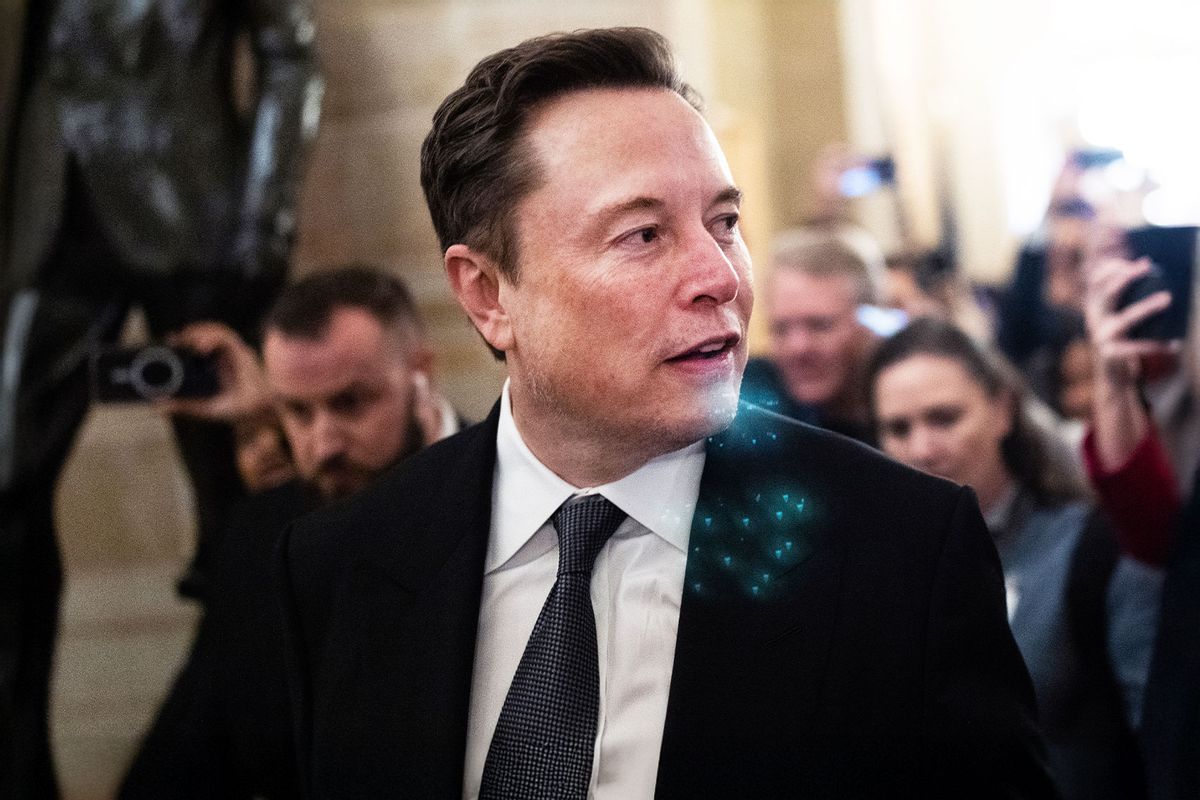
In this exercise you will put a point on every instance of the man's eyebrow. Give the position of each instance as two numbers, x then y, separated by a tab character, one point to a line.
615	210
730	194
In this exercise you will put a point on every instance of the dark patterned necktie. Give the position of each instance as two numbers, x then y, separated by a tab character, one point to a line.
543	744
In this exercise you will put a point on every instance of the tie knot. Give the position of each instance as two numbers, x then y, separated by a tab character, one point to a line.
583	526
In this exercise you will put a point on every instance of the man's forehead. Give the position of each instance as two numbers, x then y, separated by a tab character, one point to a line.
352	342
789	287
592	135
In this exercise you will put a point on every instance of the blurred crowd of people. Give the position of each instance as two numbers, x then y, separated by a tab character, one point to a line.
1067	401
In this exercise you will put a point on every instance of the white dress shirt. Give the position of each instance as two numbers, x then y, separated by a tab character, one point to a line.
637	584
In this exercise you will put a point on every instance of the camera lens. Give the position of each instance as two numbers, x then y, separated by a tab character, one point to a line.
156	372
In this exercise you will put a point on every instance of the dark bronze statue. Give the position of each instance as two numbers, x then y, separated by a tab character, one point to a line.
131	177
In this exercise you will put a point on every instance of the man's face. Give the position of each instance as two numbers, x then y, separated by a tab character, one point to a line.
346	400
628	319
816	339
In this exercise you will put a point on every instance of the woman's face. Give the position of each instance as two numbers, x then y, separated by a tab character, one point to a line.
934	416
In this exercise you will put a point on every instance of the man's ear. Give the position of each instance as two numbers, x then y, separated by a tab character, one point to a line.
475	279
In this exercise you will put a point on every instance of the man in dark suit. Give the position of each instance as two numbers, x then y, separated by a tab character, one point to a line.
131	178
346	362
622	583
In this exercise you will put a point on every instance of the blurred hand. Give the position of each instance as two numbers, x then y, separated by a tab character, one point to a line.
1119	358
243	385
263	458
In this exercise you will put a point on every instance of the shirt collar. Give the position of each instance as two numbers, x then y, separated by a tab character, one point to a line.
660	495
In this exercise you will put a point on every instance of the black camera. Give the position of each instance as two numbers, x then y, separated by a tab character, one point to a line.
152	372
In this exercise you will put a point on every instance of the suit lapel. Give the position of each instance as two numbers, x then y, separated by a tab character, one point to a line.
760	575
417	611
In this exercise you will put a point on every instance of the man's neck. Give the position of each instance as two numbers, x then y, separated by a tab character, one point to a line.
579	456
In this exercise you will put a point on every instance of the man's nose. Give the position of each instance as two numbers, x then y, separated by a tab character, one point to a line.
328	438
794	340
714	275
923	447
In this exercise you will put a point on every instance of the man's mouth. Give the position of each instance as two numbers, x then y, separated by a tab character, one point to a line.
707	350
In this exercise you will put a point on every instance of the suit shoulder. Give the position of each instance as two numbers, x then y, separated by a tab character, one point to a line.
401	498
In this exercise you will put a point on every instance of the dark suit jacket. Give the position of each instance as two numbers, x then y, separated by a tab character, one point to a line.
1170	732
842	630
224	731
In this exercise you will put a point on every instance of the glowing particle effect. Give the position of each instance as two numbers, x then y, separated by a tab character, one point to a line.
788	545
779	515
696	586
766	577
779	554
785	497
754	590
800	505
728	560
745	522
708	522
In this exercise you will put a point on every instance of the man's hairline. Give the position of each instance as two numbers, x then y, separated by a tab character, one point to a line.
862	291
404	331
522	145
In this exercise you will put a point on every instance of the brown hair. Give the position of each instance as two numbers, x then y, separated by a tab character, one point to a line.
475	166
304	309
821	251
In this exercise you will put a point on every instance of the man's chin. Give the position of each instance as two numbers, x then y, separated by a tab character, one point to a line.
812	393
714	412
337	487
722	404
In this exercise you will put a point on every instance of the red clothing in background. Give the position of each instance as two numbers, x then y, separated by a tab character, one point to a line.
1140	496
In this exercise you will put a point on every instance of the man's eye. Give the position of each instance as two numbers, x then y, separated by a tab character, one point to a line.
724	228
944	417
821	325
347	403
648	235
